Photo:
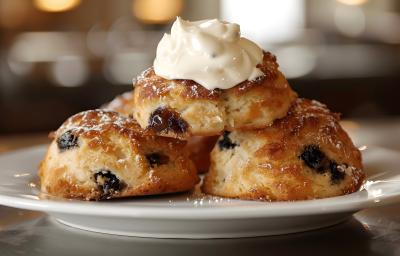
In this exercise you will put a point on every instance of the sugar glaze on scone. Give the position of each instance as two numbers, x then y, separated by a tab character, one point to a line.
305	155
100	154
198	147
183	108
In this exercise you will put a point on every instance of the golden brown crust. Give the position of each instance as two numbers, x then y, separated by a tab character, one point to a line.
258	106
249	105
199	147
299	125
63	188
99	154
155	86
96	125
266	164
269	67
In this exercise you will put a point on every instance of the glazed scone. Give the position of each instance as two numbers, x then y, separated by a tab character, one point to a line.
305	155
100	154
199	147
183	108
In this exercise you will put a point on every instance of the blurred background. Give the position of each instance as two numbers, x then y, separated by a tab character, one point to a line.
58	57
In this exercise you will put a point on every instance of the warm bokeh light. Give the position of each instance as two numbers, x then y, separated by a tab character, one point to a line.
289	58
352	2
157	11
350	20
70	71
56	5
275	28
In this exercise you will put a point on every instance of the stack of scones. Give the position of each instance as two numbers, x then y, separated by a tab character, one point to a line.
215	103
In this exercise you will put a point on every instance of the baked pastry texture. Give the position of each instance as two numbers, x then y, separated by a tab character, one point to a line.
100	154
198	147
305	155
183	108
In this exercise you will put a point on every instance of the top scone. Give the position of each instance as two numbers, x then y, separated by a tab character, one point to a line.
183	108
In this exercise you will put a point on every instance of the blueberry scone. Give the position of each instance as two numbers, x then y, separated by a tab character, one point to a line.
305	155
182	108
100	154
198	147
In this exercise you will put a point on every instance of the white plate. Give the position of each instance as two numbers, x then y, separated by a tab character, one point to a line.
197	216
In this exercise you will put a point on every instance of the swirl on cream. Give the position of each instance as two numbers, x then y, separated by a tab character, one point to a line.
209	52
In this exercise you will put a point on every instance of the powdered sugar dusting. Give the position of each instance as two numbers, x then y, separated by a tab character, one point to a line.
94	124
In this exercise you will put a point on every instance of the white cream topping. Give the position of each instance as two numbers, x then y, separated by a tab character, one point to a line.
210	52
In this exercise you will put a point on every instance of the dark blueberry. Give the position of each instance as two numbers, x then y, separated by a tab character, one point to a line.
314	158
108	183
155	159
163	120
226	142
336	174
67	141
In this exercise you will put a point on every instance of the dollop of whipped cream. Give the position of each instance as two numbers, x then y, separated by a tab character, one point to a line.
209	52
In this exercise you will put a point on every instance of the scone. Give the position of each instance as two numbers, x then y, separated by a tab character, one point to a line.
198	147
305	155
183	108
100	154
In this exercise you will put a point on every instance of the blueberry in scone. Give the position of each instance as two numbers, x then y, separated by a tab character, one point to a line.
100	154
197	111
304	155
